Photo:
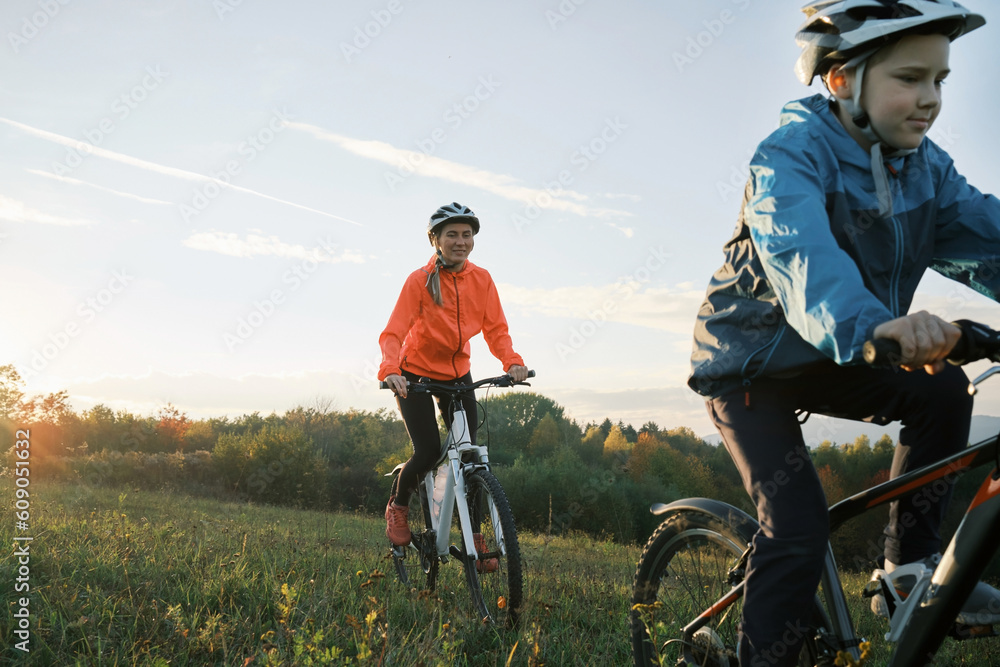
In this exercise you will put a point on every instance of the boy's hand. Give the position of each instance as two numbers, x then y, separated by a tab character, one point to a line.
925	340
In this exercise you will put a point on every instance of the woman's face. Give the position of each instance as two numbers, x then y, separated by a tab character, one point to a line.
455	241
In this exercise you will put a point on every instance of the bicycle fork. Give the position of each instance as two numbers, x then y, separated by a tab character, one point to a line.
455	496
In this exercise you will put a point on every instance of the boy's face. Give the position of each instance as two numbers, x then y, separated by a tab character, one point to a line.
902	90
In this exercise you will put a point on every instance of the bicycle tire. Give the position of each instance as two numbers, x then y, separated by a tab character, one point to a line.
496	595
685	567
417	564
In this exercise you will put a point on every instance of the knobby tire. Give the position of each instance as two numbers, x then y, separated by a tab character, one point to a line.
684	569
497	596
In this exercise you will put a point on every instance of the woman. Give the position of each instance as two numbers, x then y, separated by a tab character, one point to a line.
428	336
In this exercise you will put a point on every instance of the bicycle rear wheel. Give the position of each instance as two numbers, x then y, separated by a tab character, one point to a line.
688	565
495	580
417	564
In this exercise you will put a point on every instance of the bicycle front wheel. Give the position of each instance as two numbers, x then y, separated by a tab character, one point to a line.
495	578
687	566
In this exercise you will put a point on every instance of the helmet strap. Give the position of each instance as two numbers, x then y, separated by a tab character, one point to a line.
880	150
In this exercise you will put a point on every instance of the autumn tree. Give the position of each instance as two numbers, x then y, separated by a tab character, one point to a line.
592	445
171	427
616	447
546	438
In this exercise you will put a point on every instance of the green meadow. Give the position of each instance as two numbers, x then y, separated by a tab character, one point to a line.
137	577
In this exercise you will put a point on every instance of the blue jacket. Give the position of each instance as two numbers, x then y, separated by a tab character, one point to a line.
812	269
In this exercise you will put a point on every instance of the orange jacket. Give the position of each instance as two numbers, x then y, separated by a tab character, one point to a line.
433	341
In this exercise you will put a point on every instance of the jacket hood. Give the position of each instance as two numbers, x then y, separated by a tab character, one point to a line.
823	112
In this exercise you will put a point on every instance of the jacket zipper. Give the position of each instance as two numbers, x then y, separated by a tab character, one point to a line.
458	323
897	267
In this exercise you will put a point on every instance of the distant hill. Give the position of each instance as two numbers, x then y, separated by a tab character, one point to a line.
840	431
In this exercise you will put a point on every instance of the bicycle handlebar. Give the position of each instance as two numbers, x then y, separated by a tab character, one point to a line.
426	384
977	342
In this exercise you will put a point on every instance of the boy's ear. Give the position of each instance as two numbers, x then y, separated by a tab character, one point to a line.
839	83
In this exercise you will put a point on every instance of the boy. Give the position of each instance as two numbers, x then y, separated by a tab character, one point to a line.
846	207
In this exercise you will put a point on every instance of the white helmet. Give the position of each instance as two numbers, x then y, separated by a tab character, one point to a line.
453	212
841	30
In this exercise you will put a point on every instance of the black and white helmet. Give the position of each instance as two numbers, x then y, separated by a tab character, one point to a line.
842	30
453	212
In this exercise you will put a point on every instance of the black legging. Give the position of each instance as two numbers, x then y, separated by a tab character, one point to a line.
421	423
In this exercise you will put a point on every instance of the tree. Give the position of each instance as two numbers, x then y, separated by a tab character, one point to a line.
546	438
884	446
650	427
11	392
616	442
512	419
683	439
171	428
627	431
592	445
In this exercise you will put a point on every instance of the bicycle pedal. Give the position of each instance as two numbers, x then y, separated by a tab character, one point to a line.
871	589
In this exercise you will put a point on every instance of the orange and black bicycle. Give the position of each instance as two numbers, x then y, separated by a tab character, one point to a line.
688	585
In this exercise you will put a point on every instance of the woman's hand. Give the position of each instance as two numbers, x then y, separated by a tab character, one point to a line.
925	340
397	383
518	373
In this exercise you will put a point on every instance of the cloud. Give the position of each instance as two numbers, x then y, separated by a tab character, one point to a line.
74	181
628	302
202	394
254	245
85	148
15	211
435	167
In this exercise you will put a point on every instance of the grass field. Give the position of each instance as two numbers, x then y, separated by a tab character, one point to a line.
136	577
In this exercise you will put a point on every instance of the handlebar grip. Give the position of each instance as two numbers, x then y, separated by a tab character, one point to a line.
882	352
531	374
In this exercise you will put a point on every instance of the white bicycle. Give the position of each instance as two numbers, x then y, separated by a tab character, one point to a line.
461	500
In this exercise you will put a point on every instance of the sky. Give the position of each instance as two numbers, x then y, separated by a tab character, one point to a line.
215	204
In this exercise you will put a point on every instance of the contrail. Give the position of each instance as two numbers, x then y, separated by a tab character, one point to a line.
86	148
74	181
463	174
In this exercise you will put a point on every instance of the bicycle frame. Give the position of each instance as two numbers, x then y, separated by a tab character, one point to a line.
457	443
973	544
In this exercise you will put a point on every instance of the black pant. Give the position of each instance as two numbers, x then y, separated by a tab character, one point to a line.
421	423
760	429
